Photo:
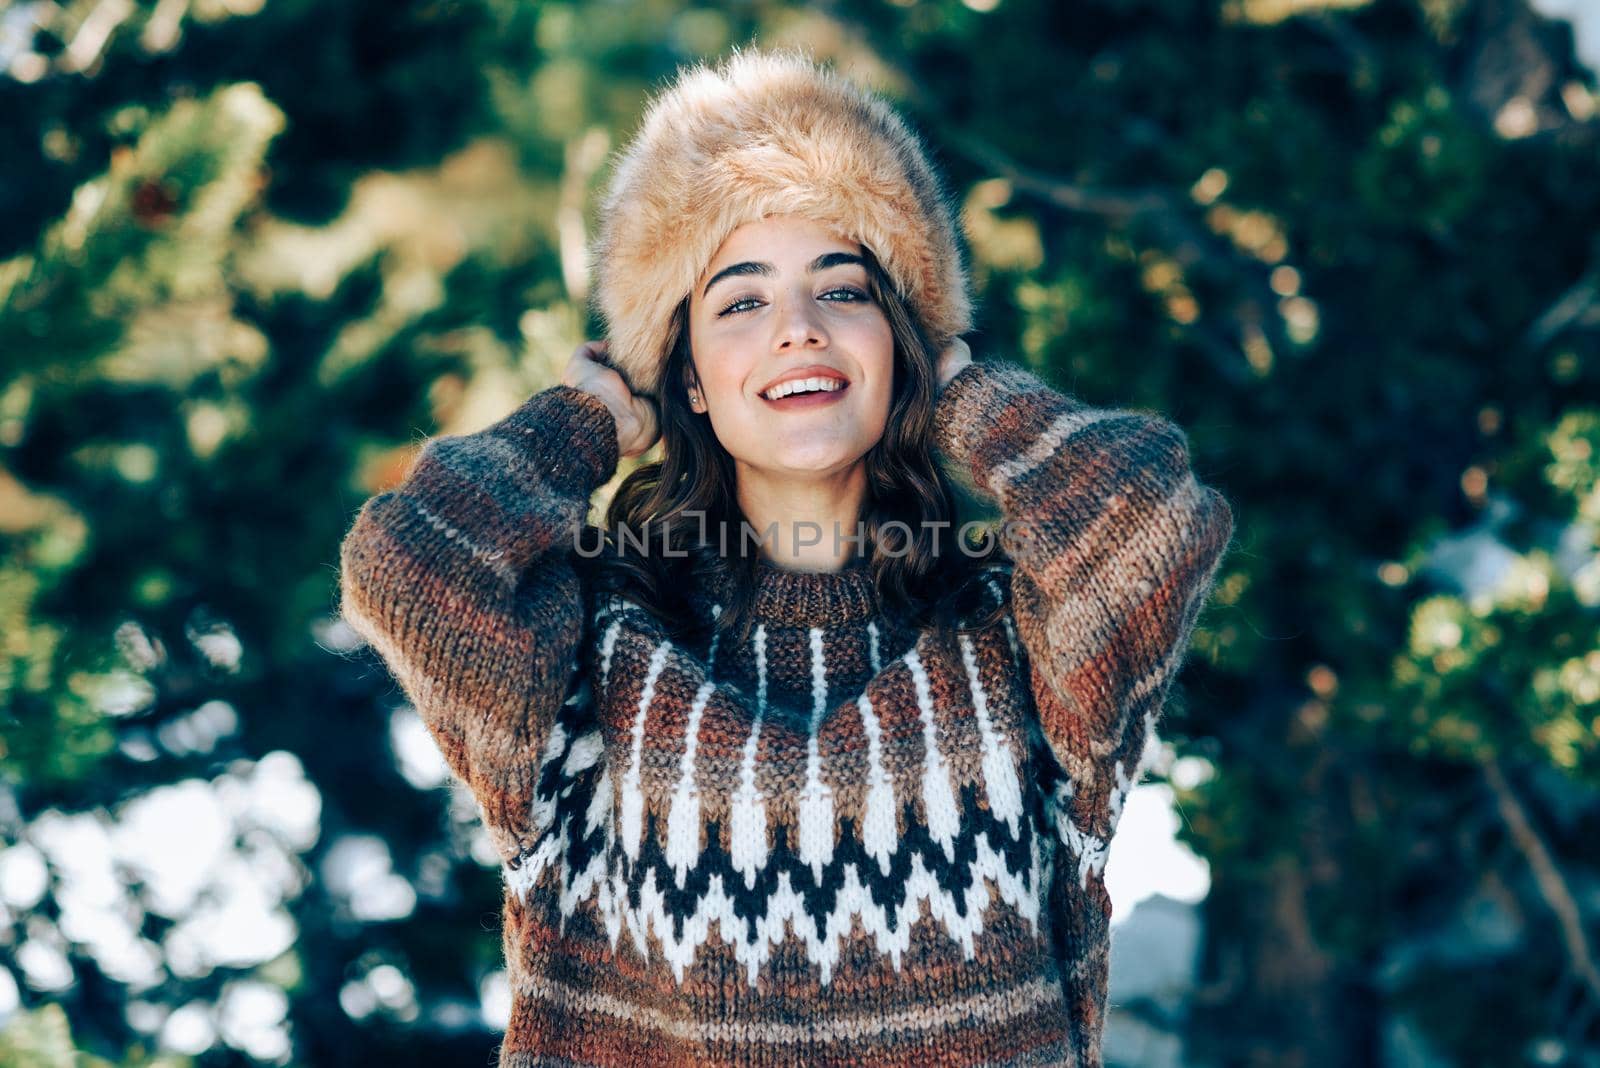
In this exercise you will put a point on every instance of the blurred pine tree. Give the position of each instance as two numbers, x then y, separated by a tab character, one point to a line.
251	253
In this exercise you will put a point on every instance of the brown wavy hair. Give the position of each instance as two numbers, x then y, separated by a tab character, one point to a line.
673	504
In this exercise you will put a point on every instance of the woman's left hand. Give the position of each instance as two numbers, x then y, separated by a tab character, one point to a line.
952	360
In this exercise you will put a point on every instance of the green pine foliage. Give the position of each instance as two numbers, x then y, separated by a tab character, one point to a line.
251	253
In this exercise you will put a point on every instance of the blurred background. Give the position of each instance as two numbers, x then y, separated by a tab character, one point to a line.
253	253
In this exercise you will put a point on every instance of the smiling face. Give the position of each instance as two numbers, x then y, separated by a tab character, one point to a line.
785	299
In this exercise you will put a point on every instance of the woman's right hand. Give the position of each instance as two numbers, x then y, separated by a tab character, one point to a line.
638	425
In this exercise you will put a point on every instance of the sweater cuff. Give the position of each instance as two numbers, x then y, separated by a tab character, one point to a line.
980	409
579	430
958	403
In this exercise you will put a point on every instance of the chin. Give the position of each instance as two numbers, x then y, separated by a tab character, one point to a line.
804	462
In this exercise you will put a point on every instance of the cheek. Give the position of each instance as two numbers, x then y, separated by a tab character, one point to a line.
872	340
723	373
877	359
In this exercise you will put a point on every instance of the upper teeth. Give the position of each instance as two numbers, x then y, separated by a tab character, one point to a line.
799	385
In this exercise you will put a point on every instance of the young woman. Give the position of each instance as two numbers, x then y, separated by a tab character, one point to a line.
782	768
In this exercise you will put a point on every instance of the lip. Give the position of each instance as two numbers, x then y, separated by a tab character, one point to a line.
813	370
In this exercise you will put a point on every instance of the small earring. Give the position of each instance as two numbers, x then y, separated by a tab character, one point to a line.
694	398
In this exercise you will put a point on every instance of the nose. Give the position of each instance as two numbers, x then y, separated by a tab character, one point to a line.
799	325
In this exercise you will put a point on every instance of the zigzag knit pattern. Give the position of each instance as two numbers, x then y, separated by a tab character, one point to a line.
839	842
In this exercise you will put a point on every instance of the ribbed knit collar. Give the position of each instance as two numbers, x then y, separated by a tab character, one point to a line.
790	597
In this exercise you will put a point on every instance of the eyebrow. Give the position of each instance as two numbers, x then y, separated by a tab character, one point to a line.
821	263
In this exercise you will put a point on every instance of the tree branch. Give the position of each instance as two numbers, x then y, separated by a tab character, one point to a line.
1547	875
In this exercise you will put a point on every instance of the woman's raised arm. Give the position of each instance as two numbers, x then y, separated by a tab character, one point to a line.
463	579
1115	547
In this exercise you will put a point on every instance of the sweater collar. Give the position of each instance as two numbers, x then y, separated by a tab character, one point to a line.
791	597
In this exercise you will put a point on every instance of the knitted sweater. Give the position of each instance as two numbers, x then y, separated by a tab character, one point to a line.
841	842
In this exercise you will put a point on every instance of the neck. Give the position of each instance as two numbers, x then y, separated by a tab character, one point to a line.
805	522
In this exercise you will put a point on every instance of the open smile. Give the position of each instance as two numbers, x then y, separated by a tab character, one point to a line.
808	393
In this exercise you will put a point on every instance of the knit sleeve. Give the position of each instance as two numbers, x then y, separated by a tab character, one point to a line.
1114	547
463	579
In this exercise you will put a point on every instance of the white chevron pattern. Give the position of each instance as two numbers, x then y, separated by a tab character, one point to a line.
785	913
816	800
683	823
938	802
999	763
748	838
592	854
632	796
879	829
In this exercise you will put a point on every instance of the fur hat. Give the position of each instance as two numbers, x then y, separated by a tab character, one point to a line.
766	132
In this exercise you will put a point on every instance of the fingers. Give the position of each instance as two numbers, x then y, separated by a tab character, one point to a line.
638	421
585	358
646	425
645	409
955	356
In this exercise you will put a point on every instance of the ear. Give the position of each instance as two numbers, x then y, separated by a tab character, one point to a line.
691	386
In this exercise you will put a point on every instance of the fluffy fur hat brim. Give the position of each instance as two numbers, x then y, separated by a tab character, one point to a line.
766	132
